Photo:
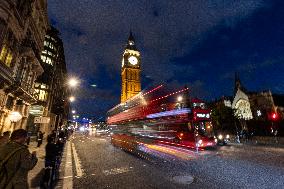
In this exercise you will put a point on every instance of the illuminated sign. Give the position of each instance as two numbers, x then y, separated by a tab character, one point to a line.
203	115
41	119
36	110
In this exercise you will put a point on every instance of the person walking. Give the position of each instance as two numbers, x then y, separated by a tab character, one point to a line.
5	138
39	138
16	161
51	162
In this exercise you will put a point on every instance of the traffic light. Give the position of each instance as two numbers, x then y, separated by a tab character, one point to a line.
274	116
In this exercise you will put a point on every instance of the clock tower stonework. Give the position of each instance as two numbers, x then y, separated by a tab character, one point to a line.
130	70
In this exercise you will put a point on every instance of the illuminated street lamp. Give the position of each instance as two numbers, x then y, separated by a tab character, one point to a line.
73	82
73	111
14	117
71	98
179	98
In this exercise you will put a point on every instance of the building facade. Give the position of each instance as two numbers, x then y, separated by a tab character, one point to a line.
23	24
259	113
52	93
130	70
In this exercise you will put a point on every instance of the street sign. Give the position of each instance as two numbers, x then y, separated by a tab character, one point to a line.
41	119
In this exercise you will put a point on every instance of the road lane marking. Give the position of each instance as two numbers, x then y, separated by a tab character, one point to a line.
68	173
116	171
77	162
67	177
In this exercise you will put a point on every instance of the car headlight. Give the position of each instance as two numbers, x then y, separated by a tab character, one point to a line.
220	137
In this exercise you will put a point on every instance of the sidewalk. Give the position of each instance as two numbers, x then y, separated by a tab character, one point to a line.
257	141
36	173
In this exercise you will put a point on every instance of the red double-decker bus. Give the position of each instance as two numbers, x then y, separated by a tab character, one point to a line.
164	115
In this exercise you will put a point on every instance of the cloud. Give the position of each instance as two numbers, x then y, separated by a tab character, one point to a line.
95	32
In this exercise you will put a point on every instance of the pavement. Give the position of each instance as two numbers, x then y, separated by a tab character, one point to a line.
36	173
257	141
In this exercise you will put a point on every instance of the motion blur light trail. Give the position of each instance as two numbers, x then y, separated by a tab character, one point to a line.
162	150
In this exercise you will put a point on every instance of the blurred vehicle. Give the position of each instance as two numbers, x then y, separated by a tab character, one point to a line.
163	114
222	138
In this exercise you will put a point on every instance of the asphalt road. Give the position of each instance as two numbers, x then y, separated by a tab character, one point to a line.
98	164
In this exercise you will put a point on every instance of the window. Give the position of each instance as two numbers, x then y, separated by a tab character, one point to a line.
46	43
10	103
41	90
49	61
6	55
50	53
43	58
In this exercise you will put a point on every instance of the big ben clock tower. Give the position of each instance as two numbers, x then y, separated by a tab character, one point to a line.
130	71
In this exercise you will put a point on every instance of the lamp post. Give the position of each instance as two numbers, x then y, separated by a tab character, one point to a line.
14	117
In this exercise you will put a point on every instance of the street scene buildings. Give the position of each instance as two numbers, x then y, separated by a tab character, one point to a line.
141	94
31	66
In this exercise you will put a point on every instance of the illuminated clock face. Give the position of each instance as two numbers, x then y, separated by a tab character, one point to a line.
133	60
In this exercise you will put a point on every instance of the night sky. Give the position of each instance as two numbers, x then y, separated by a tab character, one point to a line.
198	43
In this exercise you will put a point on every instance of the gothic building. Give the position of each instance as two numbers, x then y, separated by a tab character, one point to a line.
130	70
259	112
23	24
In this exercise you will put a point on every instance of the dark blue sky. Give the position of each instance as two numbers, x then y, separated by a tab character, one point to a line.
201	43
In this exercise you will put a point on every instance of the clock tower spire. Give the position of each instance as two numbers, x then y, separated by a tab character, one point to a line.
130	70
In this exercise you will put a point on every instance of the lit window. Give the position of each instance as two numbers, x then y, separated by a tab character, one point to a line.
43	58
6	55
41	91
46	43
42	94
51	46
9	59
49	61
3	53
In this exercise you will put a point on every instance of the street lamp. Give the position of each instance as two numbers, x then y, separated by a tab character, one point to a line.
71	98
179	98
14	117
73	82
73	111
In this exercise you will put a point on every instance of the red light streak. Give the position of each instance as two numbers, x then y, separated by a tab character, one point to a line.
170	94
153	90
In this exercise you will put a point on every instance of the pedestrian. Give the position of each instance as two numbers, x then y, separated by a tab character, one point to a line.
16	161
51	151
5	138
39	138
28	140
52	136
51	158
